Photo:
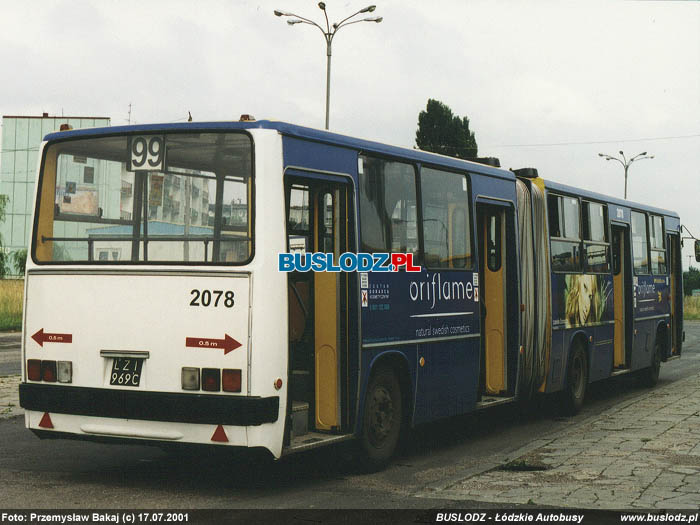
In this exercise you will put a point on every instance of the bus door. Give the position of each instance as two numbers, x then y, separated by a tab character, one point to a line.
317	221
621	296
676	298
492	274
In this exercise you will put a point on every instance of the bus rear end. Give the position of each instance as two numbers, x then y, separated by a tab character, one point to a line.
139	291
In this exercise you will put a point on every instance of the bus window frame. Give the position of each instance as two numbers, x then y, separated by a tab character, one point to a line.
664	249
571	240
125	263
585	230
644	214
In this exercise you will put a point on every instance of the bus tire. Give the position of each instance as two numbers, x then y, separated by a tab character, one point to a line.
648	377
382	418
576	381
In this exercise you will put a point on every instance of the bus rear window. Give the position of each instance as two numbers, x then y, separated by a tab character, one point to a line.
165	198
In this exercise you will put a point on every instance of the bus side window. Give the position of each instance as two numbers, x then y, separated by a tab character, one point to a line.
616	256
325	232
446	226
564	230
555	219
388	220
640	243
494	242
595	235
298	219
656	245
460	251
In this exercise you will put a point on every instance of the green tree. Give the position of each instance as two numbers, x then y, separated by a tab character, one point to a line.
440	131
19	261
3	255
691	280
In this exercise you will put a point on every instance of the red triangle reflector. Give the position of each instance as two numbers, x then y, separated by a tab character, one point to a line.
46	421
220	435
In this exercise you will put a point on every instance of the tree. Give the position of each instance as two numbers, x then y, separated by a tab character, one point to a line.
691	280
19	261
440	131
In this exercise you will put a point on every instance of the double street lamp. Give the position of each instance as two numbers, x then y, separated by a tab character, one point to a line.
626	163
328	34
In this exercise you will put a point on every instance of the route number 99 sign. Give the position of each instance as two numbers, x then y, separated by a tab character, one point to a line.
146	153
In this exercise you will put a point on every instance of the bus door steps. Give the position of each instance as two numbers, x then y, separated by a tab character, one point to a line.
492	401
673	357
313	440
300	418
620	372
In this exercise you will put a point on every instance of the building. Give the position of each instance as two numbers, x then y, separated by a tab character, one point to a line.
21	137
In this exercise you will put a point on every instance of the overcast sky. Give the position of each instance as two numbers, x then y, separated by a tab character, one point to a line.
547	84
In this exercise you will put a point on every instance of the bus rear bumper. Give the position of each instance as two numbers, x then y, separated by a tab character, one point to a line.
149	406
110	415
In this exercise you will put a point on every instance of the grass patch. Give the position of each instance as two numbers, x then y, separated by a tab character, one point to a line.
11	300
691	308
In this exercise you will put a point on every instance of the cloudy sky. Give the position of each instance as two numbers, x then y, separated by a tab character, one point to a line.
548	84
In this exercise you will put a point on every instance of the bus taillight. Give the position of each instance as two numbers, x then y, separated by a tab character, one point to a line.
231	380
48	371
211	379
34	369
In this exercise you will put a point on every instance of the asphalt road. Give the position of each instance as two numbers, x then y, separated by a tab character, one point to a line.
68	474
10	354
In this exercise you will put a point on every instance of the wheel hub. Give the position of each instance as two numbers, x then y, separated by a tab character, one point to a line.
382	414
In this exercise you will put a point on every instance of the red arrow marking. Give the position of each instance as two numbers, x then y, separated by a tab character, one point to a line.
41	338
228	343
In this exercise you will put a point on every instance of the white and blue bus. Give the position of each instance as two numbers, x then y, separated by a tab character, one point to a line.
156	311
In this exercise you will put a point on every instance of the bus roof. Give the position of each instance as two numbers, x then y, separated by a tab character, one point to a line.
301	132
337	139
556	186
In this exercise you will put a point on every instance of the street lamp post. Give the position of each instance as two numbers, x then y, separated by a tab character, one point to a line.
328	34
626	163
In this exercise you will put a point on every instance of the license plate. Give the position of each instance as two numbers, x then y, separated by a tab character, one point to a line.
126	371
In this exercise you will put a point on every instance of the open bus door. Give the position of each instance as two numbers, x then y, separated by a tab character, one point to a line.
317	221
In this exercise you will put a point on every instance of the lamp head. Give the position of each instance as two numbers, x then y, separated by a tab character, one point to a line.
368	9
621	152
322	6
644	153
278	13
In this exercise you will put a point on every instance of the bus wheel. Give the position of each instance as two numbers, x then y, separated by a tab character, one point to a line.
648	377
576	381
381	423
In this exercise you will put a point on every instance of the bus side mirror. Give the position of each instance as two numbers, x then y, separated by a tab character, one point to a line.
697	251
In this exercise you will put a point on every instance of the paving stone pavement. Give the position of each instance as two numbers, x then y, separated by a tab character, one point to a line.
641	454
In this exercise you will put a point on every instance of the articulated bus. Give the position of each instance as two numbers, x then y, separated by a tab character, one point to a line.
156	310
